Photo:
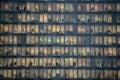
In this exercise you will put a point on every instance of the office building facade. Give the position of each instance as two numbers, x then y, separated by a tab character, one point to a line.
60	39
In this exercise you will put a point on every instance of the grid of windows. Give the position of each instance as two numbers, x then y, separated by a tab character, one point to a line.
63	39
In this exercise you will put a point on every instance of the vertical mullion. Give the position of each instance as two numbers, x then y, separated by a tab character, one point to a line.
8	39
77	37
12	37
60	41
108	45
116	37
94	43
51	43
43	42
38	40
64	38
34	46
91	38
69	47
103	36
26	41
47	39
3	54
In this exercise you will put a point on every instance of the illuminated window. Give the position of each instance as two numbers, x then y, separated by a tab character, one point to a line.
83	18
107	18
20	17
28	6
80	74
43	18
111	7
118	7
36	7
118	19
10	40
58	7
15	40
49	7
32	7
79	7
68	7
21	7
19	28
93	7
4	6
98	18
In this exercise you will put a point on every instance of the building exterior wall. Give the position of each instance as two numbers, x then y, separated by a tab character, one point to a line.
60	39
